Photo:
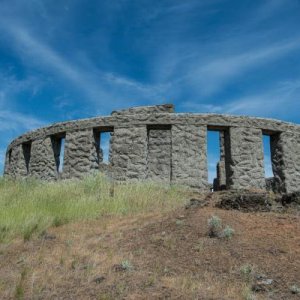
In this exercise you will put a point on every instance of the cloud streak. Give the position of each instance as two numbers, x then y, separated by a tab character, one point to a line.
281	102
14	121
98	87
217	73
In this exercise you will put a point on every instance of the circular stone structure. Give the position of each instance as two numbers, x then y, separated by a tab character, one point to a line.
155	143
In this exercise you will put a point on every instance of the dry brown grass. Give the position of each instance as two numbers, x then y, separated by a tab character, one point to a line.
170	259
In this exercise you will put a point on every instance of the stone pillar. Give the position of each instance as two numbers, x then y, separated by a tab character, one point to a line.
220	182
7	164
189	156
285	155
15	165
80	154
159	155
42	162
129	153
244	158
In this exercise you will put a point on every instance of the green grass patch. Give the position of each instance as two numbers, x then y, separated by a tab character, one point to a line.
29	207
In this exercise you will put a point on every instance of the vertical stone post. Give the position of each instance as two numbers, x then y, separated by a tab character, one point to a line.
80	154
244	158
129	153
220	182
7	163
159	154
42	163
285	155
16	168
189	155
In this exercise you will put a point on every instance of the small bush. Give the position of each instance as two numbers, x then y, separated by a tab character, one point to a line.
179	222
214	226
295	289
248	294
126	265
247	272
246	269
228	232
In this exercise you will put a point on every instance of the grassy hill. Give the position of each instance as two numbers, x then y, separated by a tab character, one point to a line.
29	207
75	240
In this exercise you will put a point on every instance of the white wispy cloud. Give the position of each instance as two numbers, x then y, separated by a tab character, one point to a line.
98	86
180	63
12	121
229	54
215	74
10	118
275	102
12	124
281	101
15	121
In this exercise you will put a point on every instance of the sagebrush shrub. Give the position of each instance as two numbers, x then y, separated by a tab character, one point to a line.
228	232
214	226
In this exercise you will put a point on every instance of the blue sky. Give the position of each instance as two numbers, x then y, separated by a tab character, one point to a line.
62	60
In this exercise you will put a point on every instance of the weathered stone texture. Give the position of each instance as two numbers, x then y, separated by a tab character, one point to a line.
80	154
189	157
159	155
15	165
155	109
155	143
7	163
220	181
139	119
42	162
245	158
285	152
129	153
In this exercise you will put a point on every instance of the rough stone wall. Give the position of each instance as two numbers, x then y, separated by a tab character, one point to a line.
136	119
285	155
159	155
7	163
189	156
245	158
43	162
80	154
129	153
17	166
155	109
141	148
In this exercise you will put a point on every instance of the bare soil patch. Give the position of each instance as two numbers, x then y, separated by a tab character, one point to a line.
158	256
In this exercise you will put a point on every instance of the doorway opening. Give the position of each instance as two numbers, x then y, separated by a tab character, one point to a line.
61	155
9	157
103	136
213	154
26	147
216	152
58	146
267	156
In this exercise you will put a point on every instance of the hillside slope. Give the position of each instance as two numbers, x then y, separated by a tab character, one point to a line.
158	256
